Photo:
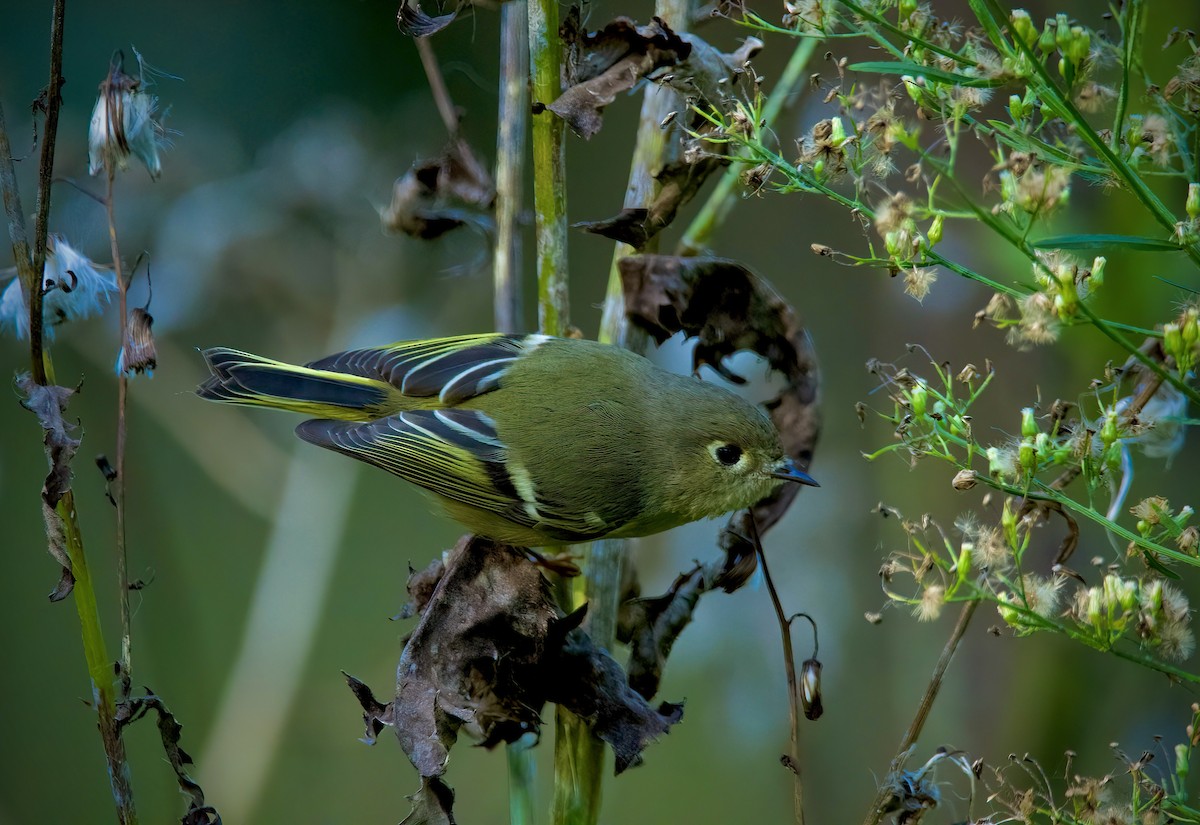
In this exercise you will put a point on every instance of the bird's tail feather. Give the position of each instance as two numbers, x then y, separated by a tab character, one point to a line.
244	378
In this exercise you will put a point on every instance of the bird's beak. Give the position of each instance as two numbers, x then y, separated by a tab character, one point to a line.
788	471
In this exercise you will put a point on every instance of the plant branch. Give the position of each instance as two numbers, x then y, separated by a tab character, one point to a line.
513	120
437	85
41	220
879	804
549	169
119	486
789	663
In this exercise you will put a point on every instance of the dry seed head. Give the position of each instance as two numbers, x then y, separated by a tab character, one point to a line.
1151	510
918	280
965	480
1092	97
138	355
930	606
123	123
1157	138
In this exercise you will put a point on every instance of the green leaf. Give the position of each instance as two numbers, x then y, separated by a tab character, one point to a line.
1155	564
928	72
1131	242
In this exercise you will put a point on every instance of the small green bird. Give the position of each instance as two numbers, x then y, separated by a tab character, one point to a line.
528	439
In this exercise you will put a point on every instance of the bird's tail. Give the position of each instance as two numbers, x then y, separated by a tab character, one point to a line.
244	378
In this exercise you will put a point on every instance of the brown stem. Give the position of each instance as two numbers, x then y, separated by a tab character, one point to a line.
45	180
879	804
789	662
19	237
122	421
437	85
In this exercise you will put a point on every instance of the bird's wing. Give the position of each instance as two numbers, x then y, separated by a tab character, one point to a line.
454	453
449	369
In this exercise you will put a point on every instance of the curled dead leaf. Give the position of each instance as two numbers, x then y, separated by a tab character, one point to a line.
414	22
441	194
49	403
727	308
603	64
489	650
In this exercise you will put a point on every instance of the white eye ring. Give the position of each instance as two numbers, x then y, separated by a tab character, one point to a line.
727	454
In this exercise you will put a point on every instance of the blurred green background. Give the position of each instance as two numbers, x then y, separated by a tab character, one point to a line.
273	566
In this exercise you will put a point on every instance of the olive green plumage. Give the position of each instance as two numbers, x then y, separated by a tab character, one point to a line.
530	440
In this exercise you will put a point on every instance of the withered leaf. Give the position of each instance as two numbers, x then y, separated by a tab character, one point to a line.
441	194
701	76
49	403
170	731
678	183
414	22
475	657
729	308
650	627
603	64
432	804
707	71
489	649
420	586
587	681
376	715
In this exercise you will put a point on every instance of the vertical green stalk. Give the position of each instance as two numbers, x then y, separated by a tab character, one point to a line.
513	121
716	209
1131	27
549	169
579	757
576	783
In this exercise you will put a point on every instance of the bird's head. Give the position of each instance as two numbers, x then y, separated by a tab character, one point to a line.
729	455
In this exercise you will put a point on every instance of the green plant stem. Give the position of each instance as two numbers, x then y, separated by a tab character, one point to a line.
521	774
513	122
878	806
99	666
989	12
716	209
1131	25
549	169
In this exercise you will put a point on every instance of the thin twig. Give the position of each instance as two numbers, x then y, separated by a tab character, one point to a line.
789	663
45	180
122	428
879	804
437	85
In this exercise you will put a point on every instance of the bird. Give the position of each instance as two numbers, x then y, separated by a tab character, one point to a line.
529	440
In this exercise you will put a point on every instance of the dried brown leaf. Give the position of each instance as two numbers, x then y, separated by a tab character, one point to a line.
414	22
601	65
440	194
701	76
729	308
49	403
650	627
588	682
432	804
678	183
170	732
474	658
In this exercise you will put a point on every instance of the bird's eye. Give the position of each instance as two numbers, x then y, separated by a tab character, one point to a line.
729	454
